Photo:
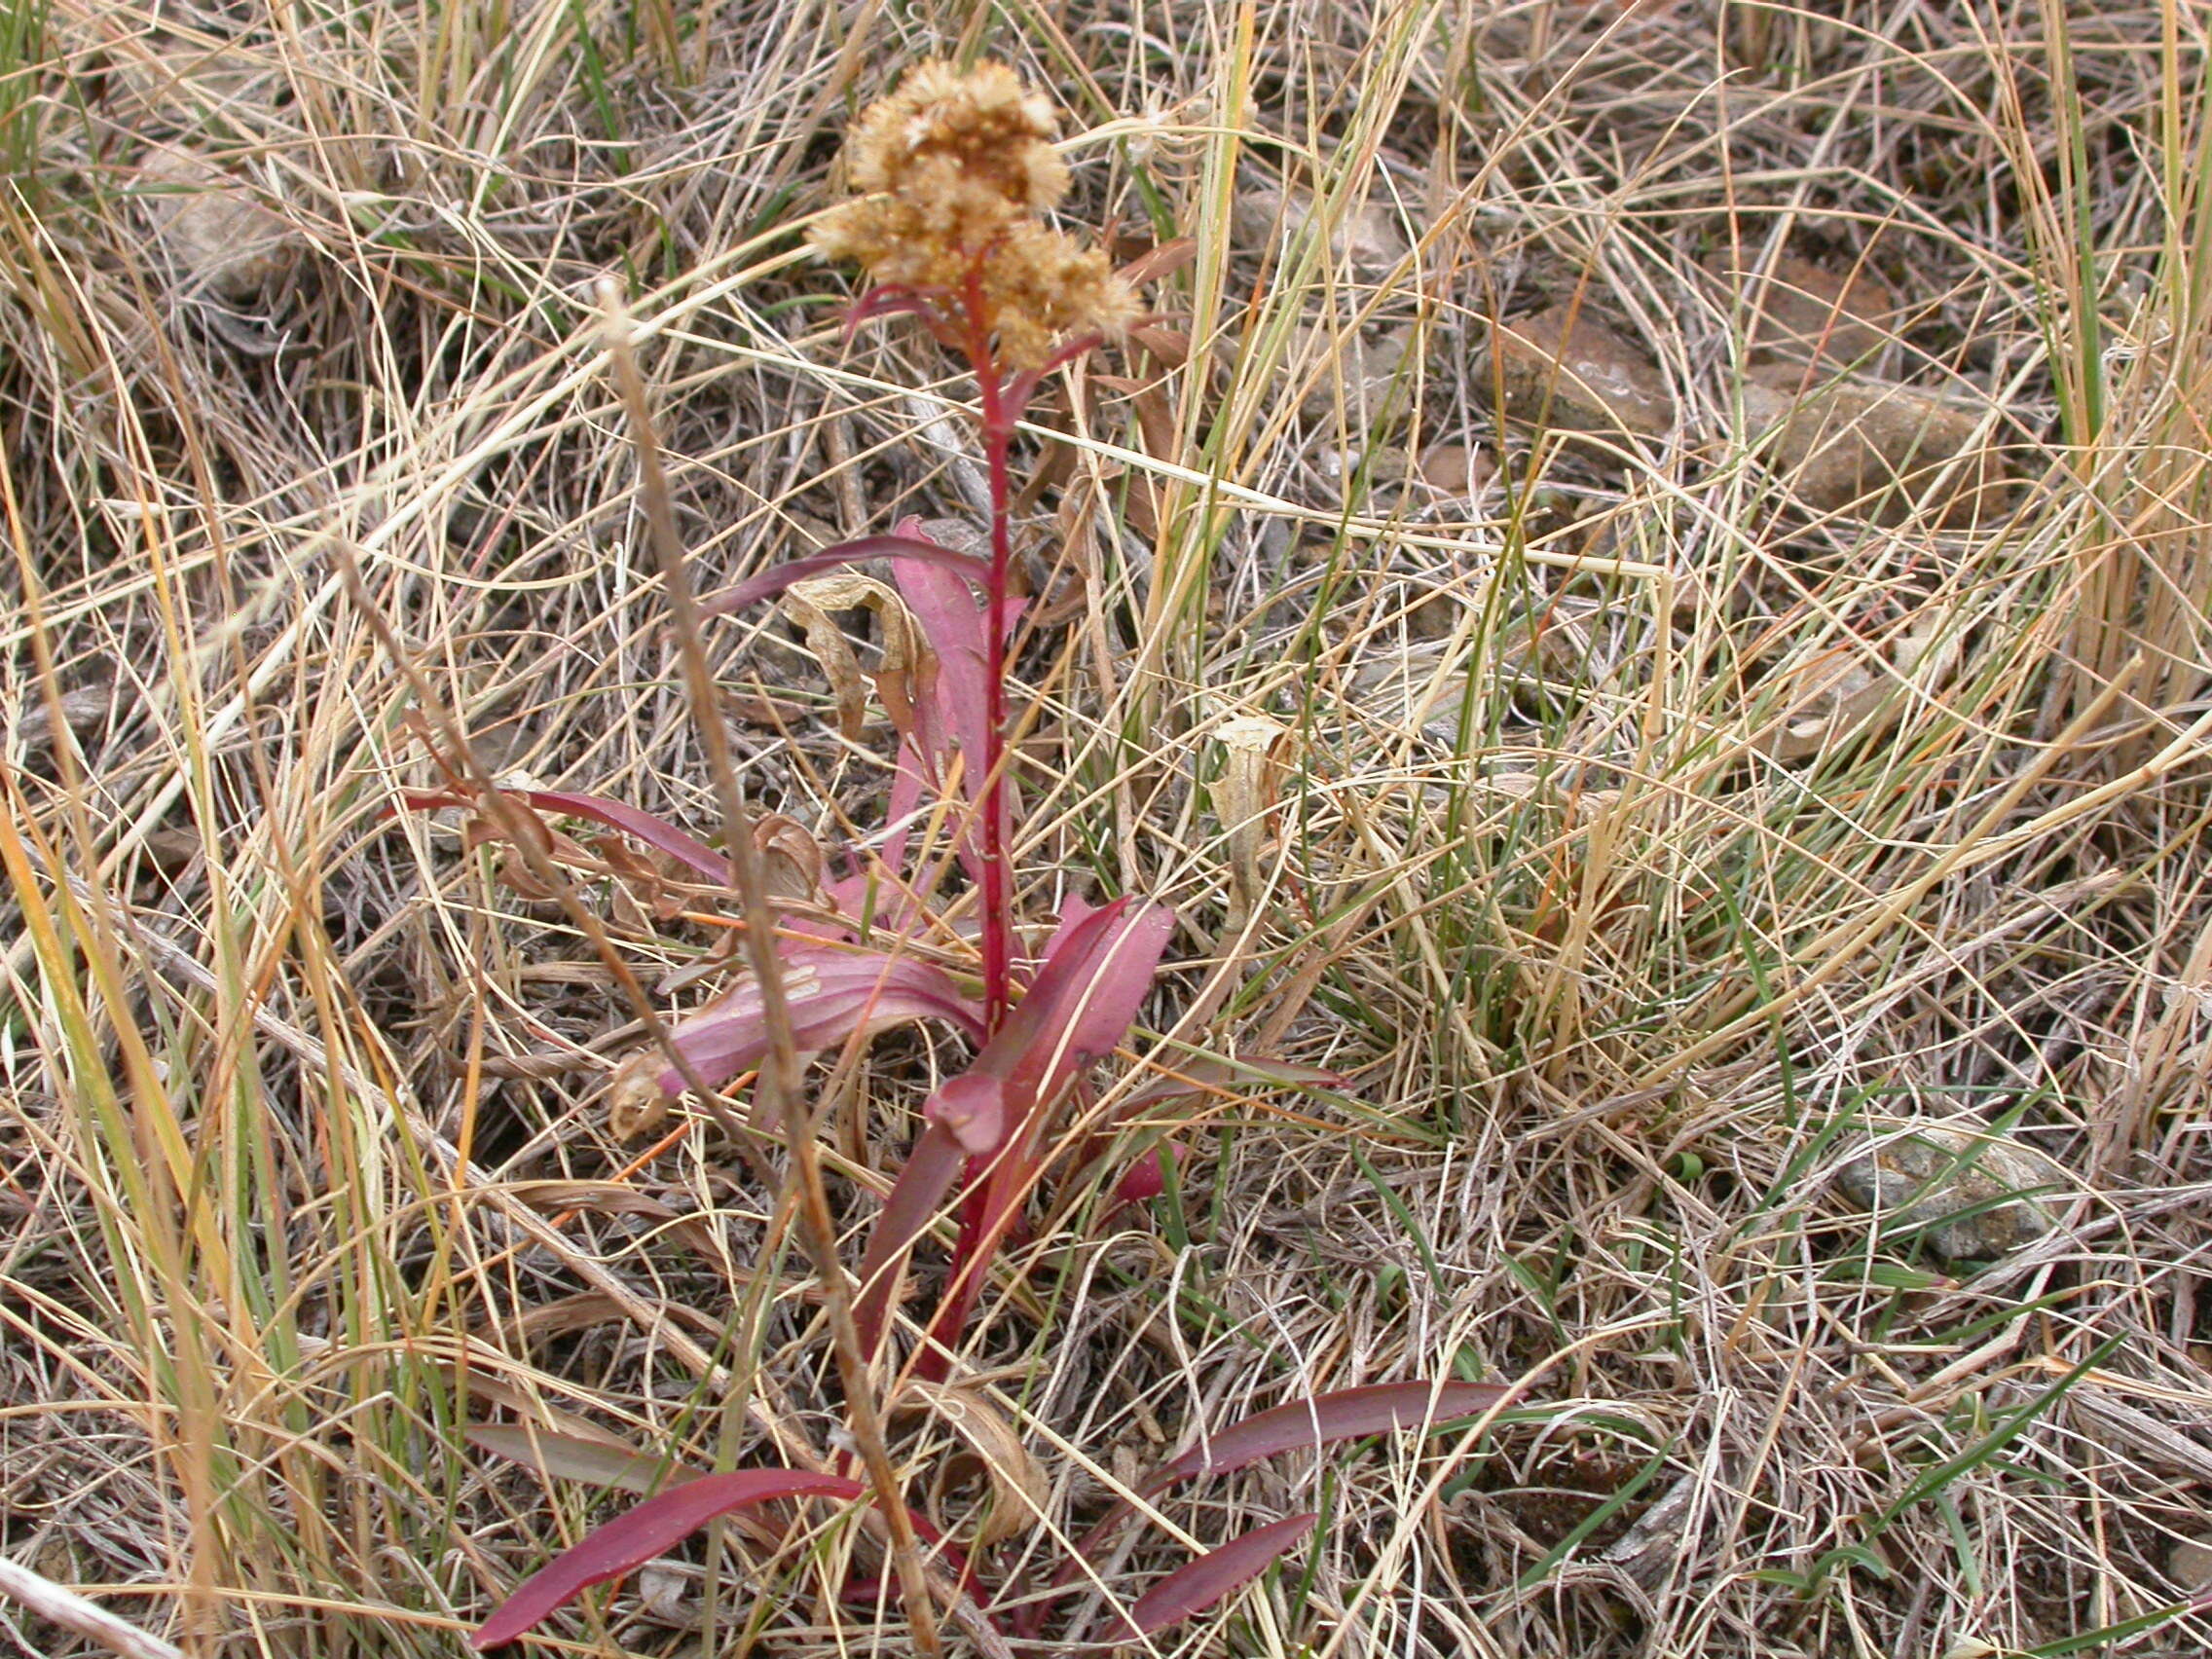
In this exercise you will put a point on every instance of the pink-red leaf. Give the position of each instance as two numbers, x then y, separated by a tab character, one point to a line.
831	992
1349	1414
656	832
1144	1180
974	1108
928	1175
774	581
651	1528
952	712
1198	1585
1095	976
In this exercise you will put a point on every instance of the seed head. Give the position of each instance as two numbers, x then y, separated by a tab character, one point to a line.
955	166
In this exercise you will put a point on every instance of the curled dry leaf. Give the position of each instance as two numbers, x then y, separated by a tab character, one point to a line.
634	1102
597	1461
1018	1488
809	603
1860	689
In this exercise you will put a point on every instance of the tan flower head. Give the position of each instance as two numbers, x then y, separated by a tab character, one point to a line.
955	164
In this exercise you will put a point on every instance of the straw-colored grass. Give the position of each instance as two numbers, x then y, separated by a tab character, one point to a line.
1489	804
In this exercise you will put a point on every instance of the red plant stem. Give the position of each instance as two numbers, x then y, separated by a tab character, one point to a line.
997	1186
997	431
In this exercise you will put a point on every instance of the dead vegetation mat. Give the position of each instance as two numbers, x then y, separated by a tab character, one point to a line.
1643	598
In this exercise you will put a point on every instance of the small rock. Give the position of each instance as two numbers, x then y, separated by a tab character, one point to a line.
1875	448
1360	367
1804	313
2189	1565
1564	369
1975	1193
223	241
1383	463
1367	238
1457	469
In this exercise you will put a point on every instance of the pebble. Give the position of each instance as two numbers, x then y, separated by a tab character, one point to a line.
1936	1173
222	240
1882	450
1802	312
1367	238
1564	369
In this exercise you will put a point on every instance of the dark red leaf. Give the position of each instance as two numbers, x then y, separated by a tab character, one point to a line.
1349	1414
772	582
973	1106
653	1528
952	713
1197	1586
658	1525
1096	974
928	1175
1144	1180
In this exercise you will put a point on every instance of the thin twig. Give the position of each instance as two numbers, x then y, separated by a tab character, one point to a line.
778	1092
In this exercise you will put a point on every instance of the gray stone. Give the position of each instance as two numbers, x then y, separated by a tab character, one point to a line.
222	240
1980	1196
1366	238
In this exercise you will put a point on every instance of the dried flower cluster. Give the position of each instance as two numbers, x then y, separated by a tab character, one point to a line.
955	166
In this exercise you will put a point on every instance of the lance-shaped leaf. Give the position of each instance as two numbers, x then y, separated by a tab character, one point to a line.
1349	1413
831	993
1144	1180
952	713
572	1457
656	832
657	1526
1198	1585
928	1173
1096	974
777	578
654	1528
